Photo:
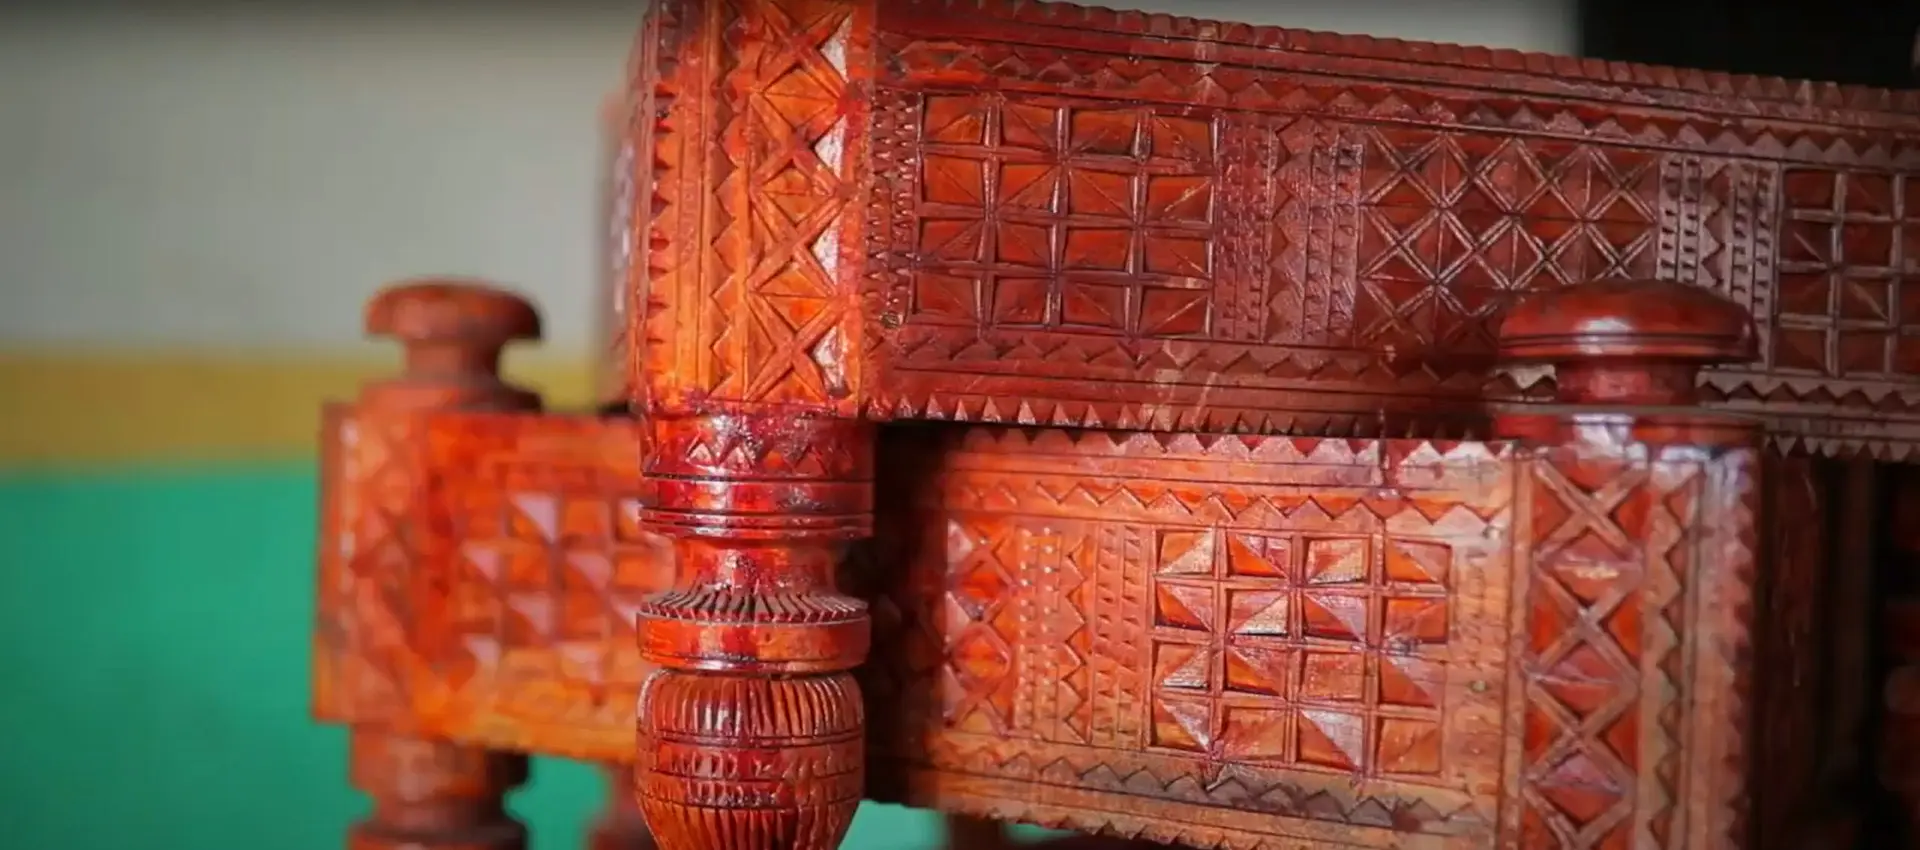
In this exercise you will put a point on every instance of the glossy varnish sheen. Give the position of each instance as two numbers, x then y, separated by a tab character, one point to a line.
1163	429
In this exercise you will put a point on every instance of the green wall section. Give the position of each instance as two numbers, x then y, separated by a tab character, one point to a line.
153	636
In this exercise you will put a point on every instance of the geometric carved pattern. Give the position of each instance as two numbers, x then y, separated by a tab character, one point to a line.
1717	230
1046	214
1849	275
542	572
1039	215
749	251
363	661
1372	213
1305	224
1609	627
1163	627
1301	650
498	598
1036	237
1587	647
1315	640
1458	226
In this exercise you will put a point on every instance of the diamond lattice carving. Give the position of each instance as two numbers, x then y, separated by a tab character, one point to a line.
1603	620
1457	227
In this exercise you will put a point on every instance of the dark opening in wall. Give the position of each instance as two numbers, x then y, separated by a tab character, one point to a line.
1867	42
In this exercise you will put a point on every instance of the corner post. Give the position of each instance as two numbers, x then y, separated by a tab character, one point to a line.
428	794
1636	549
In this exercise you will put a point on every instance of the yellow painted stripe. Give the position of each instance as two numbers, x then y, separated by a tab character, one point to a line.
101	407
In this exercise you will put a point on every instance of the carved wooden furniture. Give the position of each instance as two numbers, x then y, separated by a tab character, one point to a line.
1207	433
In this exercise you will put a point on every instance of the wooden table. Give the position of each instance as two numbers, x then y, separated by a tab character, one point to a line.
1168	429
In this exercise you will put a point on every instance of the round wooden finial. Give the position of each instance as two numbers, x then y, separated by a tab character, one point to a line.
453	331
1626	341
451	310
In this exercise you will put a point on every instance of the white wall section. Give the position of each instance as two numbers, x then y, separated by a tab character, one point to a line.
247	177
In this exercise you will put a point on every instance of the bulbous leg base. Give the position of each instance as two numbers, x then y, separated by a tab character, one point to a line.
736	762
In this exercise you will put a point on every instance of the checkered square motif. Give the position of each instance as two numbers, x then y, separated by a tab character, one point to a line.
1041	214
553	575
1301	649
1849	293
547	561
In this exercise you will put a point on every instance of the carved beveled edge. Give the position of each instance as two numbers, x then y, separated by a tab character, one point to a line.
1223	447
1099	812
1625	82
668	245
1815	431
1722	582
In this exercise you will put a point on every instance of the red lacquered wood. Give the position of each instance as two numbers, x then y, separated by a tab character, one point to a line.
434	795
377	541
452	332
1046	214
1198	598
1336	641
428	792
1635	620
1626	356
1318	631
751	732
1626	342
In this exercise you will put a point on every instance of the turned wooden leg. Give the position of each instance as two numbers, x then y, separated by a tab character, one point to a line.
751	734
434	795
620	825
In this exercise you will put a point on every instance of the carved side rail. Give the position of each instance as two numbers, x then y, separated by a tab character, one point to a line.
1044	214
1209	639
494	601
1224	641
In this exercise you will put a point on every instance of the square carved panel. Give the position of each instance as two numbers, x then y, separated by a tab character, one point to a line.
1309	628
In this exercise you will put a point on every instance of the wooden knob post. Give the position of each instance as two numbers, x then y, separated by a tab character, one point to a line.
1626	352
428	794
453	332
1639	542
1627	342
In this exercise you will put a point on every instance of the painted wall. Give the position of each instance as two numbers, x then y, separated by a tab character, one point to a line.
247	178
153	636
192	208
